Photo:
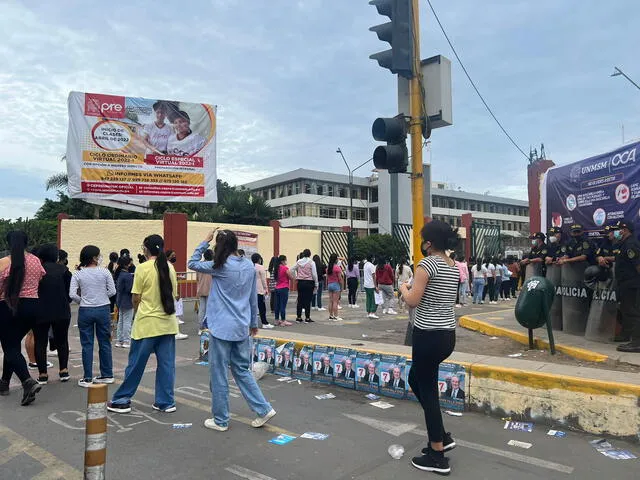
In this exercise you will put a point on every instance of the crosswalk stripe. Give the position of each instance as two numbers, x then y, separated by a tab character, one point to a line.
246	473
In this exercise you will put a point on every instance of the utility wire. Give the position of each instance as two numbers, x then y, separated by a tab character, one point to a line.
472	83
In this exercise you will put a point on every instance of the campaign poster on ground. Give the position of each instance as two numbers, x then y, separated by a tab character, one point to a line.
284	359
392	382
407	369
322	364
129	148
452	386
344	367
266	352
594	192
303	368
368	376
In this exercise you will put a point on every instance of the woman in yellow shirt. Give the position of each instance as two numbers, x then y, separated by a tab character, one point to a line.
155	287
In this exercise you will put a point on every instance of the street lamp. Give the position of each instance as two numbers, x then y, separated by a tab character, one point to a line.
351	172
617	72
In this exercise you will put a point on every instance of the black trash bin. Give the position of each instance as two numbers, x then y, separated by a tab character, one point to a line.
533	307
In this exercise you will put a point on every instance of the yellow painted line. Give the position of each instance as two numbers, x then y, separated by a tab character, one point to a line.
207	408
495	318
476	325
54	467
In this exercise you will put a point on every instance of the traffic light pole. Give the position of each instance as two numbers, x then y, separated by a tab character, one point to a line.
416	102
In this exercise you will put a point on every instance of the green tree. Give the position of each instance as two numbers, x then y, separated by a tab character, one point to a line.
380	246
38	231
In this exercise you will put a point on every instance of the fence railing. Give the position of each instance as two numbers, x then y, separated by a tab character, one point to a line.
187	285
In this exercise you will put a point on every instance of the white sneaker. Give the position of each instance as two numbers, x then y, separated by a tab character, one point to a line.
337	319
180	322
384	311
322	309
268	326
85	382
212	425
339	307
373	315
458	305
108	380
118	345
391	311
356	306
260	421
126	345
314	308
181	336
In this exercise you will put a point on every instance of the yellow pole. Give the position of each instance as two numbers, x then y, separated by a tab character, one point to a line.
417	181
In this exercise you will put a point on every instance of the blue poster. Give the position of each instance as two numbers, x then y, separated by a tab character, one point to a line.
322	367
392	382
595	192
344	365
303	364
368	375
284	359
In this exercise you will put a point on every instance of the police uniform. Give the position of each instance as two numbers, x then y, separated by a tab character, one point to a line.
581	245
607	248
557	249
628	278
539	252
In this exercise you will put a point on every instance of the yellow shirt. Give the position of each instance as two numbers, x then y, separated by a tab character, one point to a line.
151	320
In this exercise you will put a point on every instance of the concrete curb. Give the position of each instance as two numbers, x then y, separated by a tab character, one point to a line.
476	325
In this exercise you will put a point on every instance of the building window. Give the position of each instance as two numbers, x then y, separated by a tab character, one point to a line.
327	212
329	190
289	190
359	214
272	194
344	214
373	215
296	188
374	194
307	188
319	190
342	192
458	205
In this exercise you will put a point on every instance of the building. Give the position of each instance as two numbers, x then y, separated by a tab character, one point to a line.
312	199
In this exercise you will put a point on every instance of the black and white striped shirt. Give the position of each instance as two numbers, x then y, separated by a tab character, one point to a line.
436	308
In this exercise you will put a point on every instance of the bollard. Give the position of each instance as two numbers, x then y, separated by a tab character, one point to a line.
95	447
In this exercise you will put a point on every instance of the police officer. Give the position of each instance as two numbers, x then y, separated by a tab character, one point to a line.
579	248
538	252
556	248
627	271
608	249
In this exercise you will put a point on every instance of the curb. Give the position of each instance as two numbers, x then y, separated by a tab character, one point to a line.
476	325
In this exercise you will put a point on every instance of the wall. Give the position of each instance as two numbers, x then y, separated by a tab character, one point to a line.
197	231
108	235
293	241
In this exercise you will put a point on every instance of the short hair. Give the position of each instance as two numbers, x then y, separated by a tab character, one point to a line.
160	105
62	255
179	114
48	253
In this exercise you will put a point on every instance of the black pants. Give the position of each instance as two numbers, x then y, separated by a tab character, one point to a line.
272	301
13	328
490	288
61	339
514	286
430	349
305	292
630	313
352	285
262	309
505	289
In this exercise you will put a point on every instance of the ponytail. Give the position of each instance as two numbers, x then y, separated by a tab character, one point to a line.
17	241
155	245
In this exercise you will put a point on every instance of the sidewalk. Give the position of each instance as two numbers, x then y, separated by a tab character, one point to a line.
503	323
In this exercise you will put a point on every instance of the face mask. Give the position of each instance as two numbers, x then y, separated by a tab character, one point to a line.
424	250
173	260
553	239
534	243
99	260
617	235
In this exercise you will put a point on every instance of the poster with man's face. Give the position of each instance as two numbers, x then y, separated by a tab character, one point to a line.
303	363
322	364
344	367
266	352
392	376
285	359
367	372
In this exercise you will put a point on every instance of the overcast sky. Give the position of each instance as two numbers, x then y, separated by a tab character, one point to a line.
293	81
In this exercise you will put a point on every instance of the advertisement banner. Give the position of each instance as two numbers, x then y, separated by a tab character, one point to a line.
129	148
594	192
248	242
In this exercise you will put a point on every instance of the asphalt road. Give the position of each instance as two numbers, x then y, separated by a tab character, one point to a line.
46	440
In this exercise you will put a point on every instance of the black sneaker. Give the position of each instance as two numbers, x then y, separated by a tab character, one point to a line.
169	409
4	388
299	320
30	387
432	462
622	338
632	347
308	320
448	442
119	407
64	376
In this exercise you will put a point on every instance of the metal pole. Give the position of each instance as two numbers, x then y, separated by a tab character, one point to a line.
417	180
620	72
95	447
350	186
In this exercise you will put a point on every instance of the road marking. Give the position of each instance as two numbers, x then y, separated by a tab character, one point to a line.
393	428
54	467
538	462
246	473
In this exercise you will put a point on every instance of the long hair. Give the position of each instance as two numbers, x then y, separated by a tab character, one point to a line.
333	259
316	259
17	241
226	245
381	263
155	245
352	261
256	258
276	266
400	266
479	264
272	263
87	255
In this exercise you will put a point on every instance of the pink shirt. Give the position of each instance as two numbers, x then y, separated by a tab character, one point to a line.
334	277
261	279
464	271
283	278
32	276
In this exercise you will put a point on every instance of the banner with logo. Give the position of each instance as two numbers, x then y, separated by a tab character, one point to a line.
594	192
128	148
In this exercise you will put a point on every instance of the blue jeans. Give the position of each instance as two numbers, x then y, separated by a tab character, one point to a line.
237	355
282	297
125	319
478	287
316	300
164	346
95	320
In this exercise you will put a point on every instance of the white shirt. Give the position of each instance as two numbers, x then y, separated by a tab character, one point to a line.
478	274
95	284
186	147
369	270
158	137
491	268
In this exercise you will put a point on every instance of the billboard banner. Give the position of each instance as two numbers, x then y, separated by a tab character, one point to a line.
129	148
594	192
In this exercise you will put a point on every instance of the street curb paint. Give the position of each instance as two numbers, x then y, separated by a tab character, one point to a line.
476	325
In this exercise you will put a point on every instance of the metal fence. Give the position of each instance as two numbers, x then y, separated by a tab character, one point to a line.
485	240
335	242
187	285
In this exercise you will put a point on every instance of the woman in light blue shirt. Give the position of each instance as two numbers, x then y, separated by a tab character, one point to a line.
234	300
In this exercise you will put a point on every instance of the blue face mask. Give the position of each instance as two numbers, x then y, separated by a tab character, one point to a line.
617	235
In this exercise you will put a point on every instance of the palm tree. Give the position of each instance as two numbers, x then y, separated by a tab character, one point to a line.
58	181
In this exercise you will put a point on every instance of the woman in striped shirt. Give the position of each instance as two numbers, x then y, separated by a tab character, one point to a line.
433	292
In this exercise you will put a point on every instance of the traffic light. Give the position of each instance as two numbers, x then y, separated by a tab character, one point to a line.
399	33
393	157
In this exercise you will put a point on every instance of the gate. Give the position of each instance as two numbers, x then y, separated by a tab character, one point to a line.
485	240
335	242
402	231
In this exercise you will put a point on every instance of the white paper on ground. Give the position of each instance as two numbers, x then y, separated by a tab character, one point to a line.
383	405
515	443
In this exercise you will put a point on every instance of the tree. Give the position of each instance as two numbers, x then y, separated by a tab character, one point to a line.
380	246
39	232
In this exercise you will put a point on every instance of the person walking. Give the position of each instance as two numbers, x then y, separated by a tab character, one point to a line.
307	275
234	298
464	282
124	302
334	286
369	283
54	313
92	287
281	277
384	282
433	292
404	275
321	270
262	288
155	287
20	275
203	288
479	273
353	279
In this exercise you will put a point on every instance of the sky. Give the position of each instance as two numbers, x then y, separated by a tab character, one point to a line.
293	81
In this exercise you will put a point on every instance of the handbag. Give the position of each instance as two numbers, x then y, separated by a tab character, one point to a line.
377	296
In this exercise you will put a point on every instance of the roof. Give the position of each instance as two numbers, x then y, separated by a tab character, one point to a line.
305	174
478	197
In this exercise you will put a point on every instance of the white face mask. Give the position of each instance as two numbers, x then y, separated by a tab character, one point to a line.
99	260
534	243
553	239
